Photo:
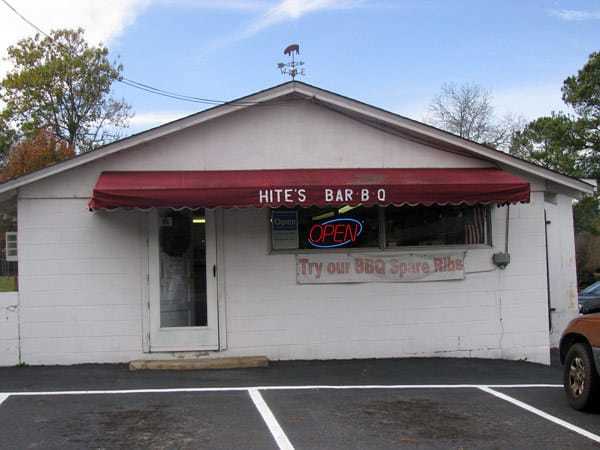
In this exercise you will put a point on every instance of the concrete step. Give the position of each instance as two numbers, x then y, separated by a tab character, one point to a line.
200	363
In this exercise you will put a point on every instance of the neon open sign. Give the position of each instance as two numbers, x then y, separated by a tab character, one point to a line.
335	233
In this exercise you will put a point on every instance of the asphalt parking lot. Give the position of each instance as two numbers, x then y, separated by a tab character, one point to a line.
367	404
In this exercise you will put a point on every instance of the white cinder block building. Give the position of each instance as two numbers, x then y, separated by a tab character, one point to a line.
297	224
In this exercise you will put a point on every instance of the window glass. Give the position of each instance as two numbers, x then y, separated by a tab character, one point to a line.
182	256
326	228
435	225
593	289
344	227
359	227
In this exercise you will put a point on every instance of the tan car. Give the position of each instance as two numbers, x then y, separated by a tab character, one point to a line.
580	355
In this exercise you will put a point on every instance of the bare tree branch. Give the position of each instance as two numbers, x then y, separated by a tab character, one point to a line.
467	111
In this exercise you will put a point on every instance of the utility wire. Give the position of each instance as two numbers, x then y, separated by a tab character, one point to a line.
25	18
146	87
192	99
188	98
155	91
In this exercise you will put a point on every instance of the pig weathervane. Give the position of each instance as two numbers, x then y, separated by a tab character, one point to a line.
292	68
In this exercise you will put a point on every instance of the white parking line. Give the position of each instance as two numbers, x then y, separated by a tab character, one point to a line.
278	434
276	430
539	412
271	388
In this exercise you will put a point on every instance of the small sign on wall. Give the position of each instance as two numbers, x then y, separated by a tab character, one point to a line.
284	230
367	268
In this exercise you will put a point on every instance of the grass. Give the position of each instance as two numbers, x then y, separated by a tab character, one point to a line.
8	284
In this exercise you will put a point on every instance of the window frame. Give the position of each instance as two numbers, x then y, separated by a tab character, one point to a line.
11	246
382	247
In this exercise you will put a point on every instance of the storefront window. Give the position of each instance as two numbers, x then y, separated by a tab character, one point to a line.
435	225
345	227
375	227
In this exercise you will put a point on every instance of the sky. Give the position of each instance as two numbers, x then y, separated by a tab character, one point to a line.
393	54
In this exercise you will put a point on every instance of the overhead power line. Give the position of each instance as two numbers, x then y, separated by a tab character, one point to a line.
146	87
25	19
183	97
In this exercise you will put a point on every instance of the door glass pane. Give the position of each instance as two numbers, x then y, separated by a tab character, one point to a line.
182	243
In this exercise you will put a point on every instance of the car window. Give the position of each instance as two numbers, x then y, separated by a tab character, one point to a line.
593	289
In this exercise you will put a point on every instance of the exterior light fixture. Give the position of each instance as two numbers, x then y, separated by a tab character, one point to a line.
326	215
347	208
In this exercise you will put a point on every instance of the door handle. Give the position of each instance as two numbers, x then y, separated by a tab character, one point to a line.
214	270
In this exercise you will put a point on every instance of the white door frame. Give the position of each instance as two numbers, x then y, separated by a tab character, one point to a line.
156	339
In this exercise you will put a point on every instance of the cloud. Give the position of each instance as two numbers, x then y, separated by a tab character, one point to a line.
281	12
103	21
232	5
287	10
106	20
575	15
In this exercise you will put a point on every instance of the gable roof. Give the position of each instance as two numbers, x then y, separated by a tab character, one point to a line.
373	116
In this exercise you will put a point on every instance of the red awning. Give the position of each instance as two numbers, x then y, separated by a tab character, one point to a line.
306	187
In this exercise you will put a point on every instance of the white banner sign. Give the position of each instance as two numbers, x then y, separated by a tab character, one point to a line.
322	268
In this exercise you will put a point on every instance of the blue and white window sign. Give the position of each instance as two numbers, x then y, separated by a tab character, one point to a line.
284	230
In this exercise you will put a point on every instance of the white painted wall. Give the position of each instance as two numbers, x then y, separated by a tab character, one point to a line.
561	262
80	282
82	274
9	328
493	313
